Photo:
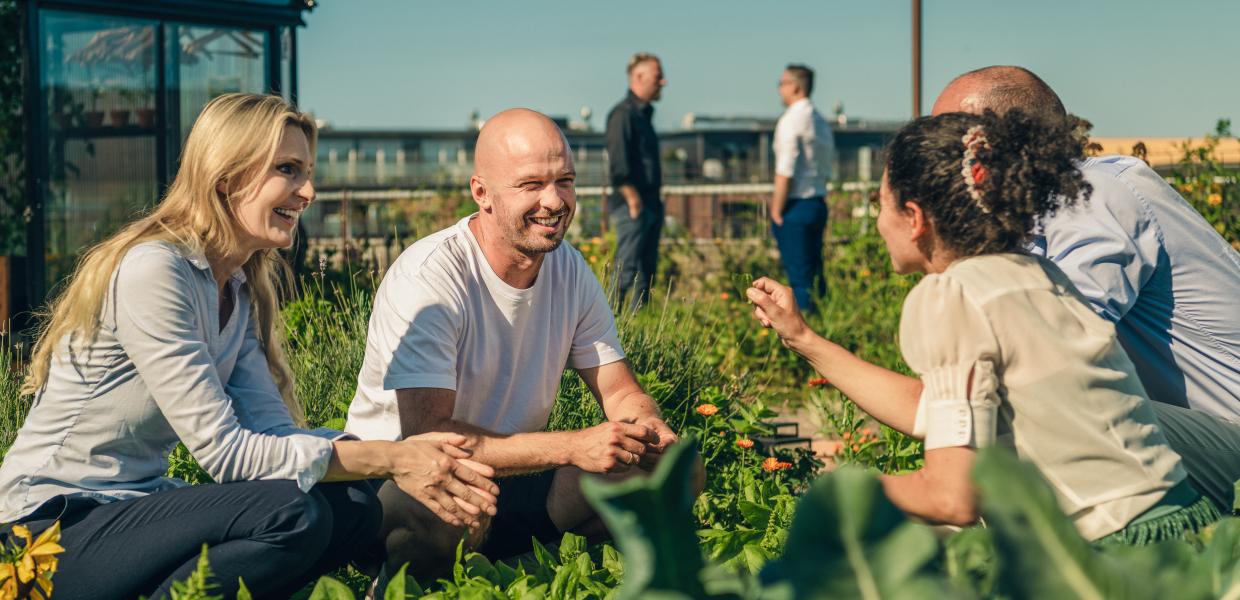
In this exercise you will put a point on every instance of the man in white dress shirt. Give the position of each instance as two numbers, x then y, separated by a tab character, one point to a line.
803	148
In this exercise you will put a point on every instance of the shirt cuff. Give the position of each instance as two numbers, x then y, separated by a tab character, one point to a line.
316	455
330	434
949	416
595	356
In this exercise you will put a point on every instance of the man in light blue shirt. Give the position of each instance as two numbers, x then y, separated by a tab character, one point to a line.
1148	262
1141	255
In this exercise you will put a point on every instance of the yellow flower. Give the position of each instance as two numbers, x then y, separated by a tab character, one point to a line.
596	240
864	272
593	259
1220	228
764	332
1187	188
8	581
1214	199
36	563
1236	245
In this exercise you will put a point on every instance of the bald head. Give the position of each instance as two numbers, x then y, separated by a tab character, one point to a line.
999	88
516	136
523	183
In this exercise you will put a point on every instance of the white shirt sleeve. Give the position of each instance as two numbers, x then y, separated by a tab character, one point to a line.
258	402
596	341
948	341
786	145
157	325
422	314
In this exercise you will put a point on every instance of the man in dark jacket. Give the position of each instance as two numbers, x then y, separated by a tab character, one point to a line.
634	204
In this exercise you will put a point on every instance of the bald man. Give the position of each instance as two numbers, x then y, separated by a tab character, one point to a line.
1148	262
471	331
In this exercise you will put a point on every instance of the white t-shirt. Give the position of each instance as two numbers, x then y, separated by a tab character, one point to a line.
444	319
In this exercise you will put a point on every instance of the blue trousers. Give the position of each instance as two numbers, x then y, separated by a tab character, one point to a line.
637	252
269	533
800	248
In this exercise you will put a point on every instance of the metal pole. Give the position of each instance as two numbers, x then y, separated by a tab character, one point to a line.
916	58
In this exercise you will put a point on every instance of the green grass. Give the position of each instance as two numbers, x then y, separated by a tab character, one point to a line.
13	407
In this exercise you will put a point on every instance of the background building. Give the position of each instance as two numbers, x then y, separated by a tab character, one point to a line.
112	89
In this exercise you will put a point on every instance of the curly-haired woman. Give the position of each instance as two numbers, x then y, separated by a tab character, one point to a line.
1005	350
169	332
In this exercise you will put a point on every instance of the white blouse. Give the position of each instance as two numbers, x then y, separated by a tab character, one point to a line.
1048	379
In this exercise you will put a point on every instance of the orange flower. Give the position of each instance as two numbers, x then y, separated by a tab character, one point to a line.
856	448
707	410
724	296
745	443
774	464
818	382
1214	199
846	435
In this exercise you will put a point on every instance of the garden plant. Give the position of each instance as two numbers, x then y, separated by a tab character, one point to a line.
780	524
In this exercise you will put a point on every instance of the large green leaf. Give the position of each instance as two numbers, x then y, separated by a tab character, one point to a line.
1041	553
848	541
651	519
969	557
331	589
1221	559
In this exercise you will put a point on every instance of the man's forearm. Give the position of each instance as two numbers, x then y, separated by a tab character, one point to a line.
631	407
779	197
631	197
512	454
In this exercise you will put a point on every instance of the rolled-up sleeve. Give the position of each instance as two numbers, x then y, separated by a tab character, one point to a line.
785	145
159	328
949	343
619	146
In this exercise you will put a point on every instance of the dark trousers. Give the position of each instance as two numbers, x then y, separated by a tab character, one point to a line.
800	248
1209	449
268	533
637	252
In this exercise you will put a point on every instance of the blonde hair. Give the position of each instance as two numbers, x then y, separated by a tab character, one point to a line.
232	141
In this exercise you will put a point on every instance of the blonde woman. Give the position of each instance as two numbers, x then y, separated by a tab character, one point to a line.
169	332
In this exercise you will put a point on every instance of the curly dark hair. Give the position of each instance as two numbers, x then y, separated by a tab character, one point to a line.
1031	172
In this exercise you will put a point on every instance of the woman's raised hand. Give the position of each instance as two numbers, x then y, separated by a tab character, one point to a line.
438	473
776	308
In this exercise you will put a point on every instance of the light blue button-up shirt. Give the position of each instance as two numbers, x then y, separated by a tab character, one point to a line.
1148	262
161	370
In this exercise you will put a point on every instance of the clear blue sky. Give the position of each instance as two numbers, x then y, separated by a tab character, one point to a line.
1133	67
